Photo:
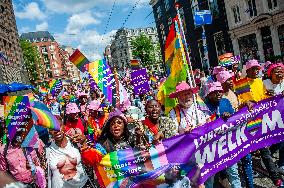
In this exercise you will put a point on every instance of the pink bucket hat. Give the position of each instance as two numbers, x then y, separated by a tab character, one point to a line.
81	94
273	66
183	86
218	69
72	108
223	76
95	105
214	86
117	113
252	63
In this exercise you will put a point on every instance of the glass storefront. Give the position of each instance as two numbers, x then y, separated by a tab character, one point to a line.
248	47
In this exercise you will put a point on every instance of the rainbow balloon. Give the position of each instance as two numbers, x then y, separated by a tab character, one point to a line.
46	119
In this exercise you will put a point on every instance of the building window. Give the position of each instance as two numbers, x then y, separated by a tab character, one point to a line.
170	21
159	12
267	42
167	5
281	38
182	17
162	28
214	8
272	4
236	13
248	47
252	8
220	43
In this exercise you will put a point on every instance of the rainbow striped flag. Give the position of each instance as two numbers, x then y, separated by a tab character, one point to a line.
226	59
79	60
43	90
107	82
135	64
254	124
242	86
176	64
55	86
153	79
46	119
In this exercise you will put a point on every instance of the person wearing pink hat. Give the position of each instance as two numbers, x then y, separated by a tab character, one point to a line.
184	114
96	119
257	93
74	124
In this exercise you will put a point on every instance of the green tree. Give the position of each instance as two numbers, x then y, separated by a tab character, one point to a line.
32	60
144	49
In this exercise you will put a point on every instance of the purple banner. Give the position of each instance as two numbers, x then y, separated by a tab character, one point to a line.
139	80
212	147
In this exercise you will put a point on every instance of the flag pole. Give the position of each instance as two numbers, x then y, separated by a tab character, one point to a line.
189	73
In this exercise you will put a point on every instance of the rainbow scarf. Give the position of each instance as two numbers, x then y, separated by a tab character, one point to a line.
254	124
46	119
79	60
242	86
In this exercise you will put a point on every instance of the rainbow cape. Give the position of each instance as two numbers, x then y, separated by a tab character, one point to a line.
46	119
79	60
242	86
254	124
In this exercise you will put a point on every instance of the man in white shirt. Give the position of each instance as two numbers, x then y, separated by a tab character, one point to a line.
185	115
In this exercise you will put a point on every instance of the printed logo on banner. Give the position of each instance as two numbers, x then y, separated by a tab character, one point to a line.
18	119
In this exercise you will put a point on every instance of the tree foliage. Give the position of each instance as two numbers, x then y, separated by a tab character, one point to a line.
32	60
143	48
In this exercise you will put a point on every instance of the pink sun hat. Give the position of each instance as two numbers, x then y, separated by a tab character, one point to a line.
223	76
218	69
183	86
72	108
252	63
214	86
273	66
95	105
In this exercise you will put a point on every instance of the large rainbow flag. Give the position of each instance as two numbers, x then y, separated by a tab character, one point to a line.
107	82
226	59
176	64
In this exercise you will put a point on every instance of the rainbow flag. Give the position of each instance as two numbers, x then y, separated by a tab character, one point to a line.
254	124
79	60
153	79
43	90
31	98
46	119
242	86
55	86
226	59
135	64
113	169
176	64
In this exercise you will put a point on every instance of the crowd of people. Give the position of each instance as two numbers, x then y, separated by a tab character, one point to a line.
66	158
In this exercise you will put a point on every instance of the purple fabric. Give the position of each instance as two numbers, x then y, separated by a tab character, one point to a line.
139	80
218	144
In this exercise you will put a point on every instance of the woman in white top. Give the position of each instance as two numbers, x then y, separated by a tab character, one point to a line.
65	168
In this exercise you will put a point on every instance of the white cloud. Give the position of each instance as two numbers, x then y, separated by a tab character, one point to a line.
75	6
31	11
42	27
90	42
24	30
79	21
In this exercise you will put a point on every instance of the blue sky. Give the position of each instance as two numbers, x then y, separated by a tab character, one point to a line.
81	23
